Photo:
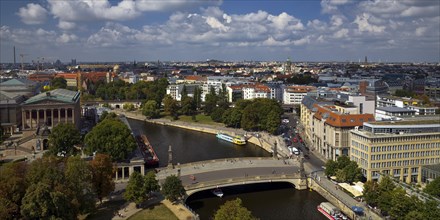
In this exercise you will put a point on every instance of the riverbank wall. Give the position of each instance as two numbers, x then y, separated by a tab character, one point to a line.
329	196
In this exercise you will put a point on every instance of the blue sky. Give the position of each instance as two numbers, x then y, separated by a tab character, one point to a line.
194	30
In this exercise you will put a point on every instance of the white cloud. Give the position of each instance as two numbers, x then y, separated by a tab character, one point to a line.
214	23
341	33
32	14
365	26
285	21
66	25
66	38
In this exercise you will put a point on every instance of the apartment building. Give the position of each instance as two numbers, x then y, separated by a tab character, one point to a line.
330	130
293	95
256	91
396	148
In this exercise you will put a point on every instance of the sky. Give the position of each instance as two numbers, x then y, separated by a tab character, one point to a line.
230	30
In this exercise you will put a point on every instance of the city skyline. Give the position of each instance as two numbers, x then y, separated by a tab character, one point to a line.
328	30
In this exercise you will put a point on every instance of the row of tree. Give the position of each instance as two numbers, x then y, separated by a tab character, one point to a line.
54	187
394	201
121	90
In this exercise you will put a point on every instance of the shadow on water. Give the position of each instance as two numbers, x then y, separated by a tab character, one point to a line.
265	201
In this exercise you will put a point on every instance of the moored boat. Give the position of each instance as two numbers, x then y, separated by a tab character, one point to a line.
330	211
239	140
218	192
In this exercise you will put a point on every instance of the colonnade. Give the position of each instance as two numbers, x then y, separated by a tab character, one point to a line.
28	118
124	172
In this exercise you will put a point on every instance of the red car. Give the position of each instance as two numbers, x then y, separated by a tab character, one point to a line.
295	139
300	140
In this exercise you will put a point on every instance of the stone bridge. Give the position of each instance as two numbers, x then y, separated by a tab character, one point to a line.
205	175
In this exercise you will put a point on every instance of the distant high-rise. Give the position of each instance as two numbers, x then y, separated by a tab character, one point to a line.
73	62
366	60
288	67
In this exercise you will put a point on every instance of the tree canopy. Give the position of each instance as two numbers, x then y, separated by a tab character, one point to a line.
233	210
344	169
433	188
58	83
150	109
172	188
102	175
139	187
111	137
63	138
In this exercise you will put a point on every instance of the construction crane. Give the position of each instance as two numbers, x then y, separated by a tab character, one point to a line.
22	58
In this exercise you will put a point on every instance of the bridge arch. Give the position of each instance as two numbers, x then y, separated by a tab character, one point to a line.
296	180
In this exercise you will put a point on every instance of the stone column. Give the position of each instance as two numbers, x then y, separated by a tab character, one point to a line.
23	118
419	174
123	172
143	169
130	170
51	117
59	115
401	175
65	116
116	174
45	116
408	178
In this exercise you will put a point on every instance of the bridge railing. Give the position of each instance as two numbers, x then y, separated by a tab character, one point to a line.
238	180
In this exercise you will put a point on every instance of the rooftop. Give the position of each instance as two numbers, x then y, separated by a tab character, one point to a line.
60	95
406	122
394	109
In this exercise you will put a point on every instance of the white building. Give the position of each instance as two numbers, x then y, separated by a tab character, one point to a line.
293	95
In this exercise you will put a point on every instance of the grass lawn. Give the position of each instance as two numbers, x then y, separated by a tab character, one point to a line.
157	212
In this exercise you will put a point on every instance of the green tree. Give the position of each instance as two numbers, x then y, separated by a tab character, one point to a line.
63	139
128	106
371	192
210	101
433	188
58	83
111	137
150	109
79	182
12	189
102	175
331	167
352	173
197	97
109	115
232	117
217	114
386	187
171	106
135	191
172	188
150	182
188	106
233	210
401	204
43	201
273	122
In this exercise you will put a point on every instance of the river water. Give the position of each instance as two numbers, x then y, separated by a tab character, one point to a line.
276	201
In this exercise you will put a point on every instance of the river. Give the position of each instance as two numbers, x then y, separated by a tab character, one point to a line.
276	201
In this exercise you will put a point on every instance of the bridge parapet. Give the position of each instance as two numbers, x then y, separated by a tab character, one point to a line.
295	179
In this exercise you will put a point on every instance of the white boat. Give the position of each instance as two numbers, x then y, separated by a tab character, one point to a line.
239	140
218	192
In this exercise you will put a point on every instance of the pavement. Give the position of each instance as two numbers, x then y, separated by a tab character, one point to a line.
129	209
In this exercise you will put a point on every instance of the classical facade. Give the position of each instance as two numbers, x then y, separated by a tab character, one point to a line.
51	108
396	148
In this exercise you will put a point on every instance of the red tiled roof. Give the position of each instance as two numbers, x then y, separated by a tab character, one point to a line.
337	119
